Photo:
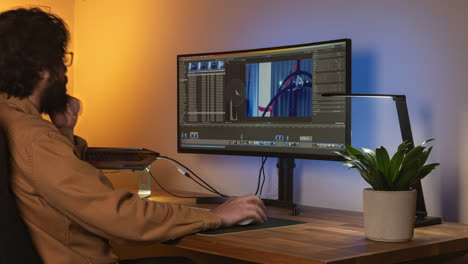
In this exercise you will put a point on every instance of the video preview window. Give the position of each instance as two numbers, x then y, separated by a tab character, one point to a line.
279	89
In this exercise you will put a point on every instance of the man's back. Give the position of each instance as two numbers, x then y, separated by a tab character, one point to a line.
15	239
53	233
70	208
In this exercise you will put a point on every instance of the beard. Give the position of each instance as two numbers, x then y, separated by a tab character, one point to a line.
55	97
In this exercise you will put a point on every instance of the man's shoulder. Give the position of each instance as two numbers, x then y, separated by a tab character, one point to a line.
24	127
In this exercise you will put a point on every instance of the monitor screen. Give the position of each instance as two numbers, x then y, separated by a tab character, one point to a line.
266	102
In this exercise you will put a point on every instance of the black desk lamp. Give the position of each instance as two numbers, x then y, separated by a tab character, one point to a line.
405	127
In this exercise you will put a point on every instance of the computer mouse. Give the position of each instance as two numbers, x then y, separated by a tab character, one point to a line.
247	221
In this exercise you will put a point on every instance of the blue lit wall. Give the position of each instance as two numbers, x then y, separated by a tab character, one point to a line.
417	48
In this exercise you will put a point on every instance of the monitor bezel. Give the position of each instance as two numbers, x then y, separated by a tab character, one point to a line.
273	154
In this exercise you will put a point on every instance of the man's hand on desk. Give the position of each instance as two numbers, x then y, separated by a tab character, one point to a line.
240	208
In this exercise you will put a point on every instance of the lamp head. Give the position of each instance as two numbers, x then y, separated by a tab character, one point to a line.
392	96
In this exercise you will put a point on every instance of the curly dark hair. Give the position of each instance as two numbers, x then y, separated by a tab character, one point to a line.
31	40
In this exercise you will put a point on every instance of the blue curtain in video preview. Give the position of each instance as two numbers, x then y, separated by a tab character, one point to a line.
296	101
290	94
252	88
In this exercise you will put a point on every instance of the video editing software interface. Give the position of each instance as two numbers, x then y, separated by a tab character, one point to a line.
261	102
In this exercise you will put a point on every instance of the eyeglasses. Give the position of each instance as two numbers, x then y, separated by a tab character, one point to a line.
68	59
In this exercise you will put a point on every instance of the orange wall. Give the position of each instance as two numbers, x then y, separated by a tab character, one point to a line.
123	83
123	76
125	56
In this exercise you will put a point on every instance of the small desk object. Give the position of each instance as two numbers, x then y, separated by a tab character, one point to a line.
125	159
144	182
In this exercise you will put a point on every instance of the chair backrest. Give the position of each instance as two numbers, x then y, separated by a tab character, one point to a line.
15	241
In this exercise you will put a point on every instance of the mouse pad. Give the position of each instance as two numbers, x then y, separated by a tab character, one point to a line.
270	223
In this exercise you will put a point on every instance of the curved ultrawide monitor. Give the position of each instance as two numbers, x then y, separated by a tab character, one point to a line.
266	102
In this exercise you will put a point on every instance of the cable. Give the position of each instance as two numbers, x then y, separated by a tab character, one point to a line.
206	186
263	173
262	170
164	189
183	172
260	177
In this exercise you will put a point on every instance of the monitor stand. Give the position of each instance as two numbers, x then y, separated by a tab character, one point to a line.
285	188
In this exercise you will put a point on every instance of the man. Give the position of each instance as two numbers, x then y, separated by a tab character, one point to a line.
70	208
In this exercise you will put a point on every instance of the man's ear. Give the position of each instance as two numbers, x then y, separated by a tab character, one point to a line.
44	74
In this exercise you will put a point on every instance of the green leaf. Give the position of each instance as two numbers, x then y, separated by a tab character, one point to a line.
370	161
425	156
412	156
429	140
353	151
349	164
350	153
383	165
423	172
404	146
362	170
406	178
395	164
369	158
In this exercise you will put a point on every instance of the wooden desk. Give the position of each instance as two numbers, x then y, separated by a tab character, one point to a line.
330	236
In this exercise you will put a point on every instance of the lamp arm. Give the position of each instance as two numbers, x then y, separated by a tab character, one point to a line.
407	135
403	118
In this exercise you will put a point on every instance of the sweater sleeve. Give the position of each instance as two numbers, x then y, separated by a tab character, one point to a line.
82	193
80	147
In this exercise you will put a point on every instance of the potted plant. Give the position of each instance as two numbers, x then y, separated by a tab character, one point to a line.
390	206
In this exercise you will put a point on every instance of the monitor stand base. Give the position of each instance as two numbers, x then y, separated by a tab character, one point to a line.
282	204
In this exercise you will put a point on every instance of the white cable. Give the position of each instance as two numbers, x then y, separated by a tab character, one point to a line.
180	169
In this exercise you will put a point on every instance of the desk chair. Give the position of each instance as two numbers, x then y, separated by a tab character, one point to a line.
15	242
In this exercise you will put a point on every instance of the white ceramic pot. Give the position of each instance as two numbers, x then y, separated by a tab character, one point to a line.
389	215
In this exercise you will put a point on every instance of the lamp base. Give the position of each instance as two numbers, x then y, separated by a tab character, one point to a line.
427	221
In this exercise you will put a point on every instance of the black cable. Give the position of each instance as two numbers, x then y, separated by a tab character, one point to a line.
262	169
207	187
259	177
258	181
164	189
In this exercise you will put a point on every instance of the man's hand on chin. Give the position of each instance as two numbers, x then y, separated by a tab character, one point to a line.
65	121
